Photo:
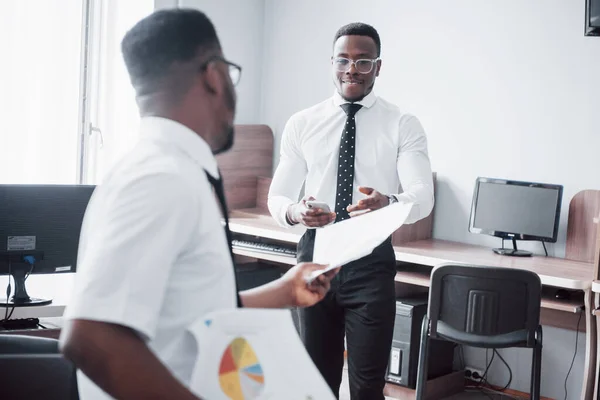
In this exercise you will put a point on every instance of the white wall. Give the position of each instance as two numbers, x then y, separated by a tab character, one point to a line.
239	24
159	4
503	88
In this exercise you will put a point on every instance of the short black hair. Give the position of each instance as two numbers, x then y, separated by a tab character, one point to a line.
359	29
163	38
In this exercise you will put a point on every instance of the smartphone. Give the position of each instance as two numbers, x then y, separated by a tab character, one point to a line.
318	204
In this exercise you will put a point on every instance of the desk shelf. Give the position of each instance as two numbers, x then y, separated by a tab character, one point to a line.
570	305
420	276
413	275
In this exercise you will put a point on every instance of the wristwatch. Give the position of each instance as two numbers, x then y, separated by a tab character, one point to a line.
391	198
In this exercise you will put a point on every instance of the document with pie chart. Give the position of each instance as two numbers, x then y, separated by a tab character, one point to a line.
240	373
248	354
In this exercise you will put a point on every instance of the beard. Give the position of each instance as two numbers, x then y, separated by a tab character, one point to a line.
228	134
228	131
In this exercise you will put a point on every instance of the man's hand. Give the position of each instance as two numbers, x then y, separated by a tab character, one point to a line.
291	290
302	293
372	202
107	352
312	218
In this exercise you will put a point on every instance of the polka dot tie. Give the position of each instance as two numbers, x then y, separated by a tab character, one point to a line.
345	176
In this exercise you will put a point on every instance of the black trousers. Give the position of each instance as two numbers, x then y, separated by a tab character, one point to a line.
361	304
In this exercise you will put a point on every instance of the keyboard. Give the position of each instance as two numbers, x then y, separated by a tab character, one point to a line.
19	323
266	248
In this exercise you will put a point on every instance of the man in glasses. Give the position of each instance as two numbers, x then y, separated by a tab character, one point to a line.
353	151
154	257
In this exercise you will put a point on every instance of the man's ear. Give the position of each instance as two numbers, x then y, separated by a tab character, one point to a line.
213	79
378	68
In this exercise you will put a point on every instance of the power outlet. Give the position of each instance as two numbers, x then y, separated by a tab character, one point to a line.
473	374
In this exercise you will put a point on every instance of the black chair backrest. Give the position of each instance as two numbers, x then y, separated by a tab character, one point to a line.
23	344
37	376
484	306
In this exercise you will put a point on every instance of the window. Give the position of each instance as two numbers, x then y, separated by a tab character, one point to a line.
39	95
67	110
112	124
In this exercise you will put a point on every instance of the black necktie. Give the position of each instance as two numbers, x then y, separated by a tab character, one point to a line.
345	178
217	185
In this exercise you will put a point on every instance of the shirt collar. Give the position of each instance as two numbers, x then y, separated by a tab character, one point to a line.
172	132
367	102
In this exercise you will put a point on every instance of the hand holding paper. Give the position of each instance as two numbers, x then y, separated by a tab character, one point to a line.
304	295
354	238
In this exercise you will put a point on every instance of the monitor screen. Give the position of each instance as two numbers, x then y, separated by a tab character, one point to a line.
524	210
594	13
592	18
43	218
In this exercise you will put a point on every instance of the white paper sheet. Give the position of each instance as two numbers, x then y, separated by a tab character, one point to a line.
354	238
253	354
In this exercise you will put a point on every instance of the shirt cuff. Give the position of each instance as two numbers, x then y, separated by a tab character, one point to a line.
278	206
288	220
394	196
415	213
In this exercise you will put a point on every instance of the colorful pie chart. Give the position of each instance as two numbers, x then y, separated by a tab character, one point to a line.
240	374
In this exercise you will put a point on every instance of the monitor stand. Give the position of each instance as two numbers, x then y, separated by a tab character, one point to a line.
514	251
20	271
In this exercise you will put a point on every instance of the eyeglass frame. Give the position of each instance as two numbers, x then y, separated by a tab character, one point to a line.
373	61
230	64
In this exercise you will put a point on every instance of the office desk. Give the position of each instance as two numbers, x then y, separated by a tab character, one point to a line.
552	271
596	292
421	255
57	287
254	222
557	272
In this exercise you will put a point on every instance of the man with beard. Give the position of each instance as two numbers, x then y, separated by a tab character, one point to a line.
154	257
352	151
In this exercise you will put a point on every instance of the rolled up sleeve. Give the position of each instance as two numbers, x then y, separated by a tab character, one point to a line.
289	176
414	169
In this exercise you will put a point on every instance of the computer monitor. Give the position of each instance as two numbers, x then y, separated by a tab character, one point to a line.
592	17
39	233
515	210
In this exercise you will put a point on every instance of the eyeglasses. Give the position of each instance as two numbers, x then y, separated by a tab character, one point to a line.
363	66
235	71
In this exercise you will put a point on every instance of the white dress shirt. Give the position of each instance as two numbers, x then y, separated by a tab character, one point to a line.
391	156
153	253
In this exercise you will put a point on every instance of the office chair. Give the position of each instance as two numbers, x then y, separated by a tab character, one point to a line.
483	307
32	368
22	344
